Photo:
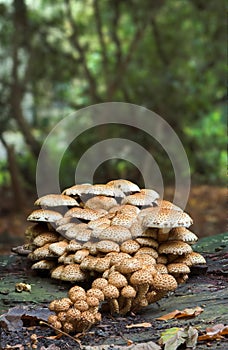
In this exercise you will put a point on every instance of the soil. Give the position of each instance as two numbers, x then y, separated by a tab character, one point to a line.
207	288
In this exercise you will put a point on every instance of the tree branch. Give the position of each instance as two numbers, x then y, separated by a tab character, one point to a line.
76	44
158	42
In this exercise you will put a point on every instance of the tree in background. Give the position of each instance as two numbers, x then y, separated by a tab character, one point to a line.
59	56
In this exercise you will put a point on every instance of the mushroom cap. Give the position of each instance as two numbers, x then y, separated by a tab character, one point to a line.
174	247
146	259
147	241
76	190
125	186
124	219
99	283
80	255
42	253
107	246
102	264
56	273
192	258
142	276
105	190
128	292
141	198
98	223
130	246
62	304
116	258
85	213
73	273
129	265
136	229
81	305
45	237
164	282
92	301
43	265
168	205
95	292
44	215
147	250
100	202
88	263
73	314
79	232
161	268
73	246
177	268
76	293
56	200
166	218
58	248
92	246
110	292
115	233
182	234
117	279
64	227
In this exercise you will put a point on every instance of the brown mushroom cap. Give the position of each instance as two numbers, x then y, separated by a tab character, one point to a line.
142	276
147	250
73	273
190	259
128	265
44	215
80	255
61	304
146	259
100	202
76	293
93	224
111	292
115	233
58	248
99	283
128	292
56	200
168	205
136	229
174	247
76	190
164	282
141	198
73	246
182	234
130	246
73	314
116	258
79	232
105	190
41	253
44	265
56	272
123	219
95	292
85	213
81	305
166	218
125	186
177	268
147	241
161	268
102	264
117	279
45	237
106	246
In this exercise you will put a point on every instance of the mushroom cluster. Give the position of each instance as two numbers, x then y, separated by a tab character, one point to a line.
130	246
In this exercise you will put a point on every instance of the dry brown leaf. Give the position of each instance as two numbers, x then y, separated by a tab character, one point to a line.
139	325
214	333
188	312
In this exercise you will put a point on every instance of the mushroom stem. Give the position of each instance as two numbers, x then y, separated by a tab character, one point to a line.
142	290
163	234
127	306
114	306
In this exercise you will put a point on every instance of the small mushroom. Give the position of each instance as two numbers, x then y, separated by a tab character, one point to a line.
128	293
44	238
164	282
125	186
130	246
117	279
177	269
174	247
182	234
141	280
73	273
128	265
111	294
115	233
141	198
44	265
58	248
44	215
56	200
100	202
107	246
76	293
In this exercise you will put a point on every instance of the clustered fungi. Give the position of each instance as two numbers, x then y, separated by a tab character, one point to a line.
132	247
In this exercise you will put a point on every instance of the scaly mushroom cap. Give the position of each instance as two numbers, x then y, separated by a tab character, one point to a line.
130	246
106	246
123	219
80	255
128	292
92	246
141	198
161	268
76	293
168	205
124	209
99	283
73	246
117	279
105	190
56	273
136	229
77	190
164	282
115	233
142	276
63	228
174	247
58	248
147	242
93	224
146	259
56	200
129	265
100	202
45	237
166	218
60	305
81	305
96	293
177	268
102	264
41	253
44	215
117	258
85	213
182	234
92	302
125	186
191	259
147	250
73	314
43	265
111	292
73	273
79	232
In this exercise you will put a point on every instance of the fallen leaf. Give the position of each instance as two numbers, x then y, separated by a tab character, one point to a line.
139	325
193	312
172	338
214	333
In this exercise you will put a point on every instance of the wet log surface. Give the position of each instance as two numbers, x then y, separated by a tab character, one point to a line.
207	288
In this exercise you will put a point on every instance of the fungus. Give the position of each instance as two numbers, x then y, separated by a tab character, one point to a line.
164	282
73	273
141	198
56	200
117	279
76	293
44	265
125	186
128	265
106	246
141	280
182	234
99	283
111	293
80	255
174	247
58	248
128	293
176	269
147	241
44	215
115	233
130	246
100	202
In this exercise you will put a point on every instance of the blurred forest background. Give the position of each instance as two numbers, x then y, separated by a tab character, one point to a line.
59	56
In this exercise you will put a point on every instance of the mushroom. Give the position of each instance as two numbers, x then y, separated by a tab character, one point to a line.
128	293
99	283
174	247
147	241
44	265
147	250
125	186
77	190
106	246
141	280
105	190
128	265
177	269
167	205
100	202
80	255
79	232
85	213
182	234
115	233
111	293
76	293
73	273
117	279
42	253
44	215
164	282
44	238
130	246
56	200
141	198
58	248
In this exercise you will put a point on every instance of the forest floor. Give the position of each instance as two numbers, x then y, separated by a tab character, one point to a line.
206	205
